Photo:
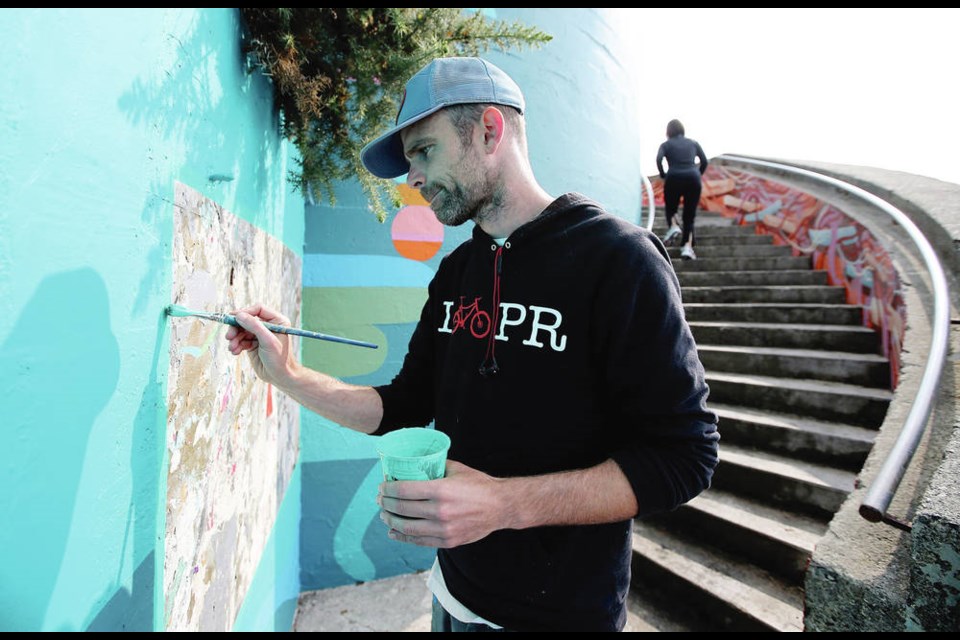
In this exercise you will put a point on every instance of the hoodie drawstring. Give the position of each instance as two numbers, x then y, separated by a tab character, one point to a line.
489	366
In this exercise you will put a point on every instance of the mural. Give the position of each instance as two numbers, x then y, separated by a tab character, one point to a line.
232	441
847	251
416	232
371	287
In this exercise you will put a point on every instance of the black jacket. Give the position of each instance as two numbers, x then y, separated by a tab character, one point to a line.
680	153
594	360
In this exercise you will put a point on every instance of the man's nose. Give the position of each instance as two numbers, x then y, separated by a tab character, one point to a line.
415	178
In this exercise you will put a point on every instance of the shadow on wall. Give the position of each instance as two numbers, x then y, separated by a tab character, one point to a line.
132	609
61	364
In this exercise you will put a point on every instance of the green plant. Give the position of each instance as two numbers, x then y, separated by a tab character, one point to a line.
339	73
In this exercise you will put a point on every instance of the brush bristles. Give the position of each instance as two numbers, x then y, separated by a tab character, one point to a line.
177	311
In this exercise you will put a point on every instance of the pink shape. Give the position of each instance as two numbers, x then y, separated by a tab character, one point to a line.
418	223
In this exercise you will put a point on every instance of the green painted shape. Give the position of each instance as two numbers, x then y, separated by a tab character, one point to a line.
353	312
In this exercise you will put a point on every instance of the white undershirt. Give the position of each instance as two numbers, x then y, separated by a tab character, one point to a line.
452	606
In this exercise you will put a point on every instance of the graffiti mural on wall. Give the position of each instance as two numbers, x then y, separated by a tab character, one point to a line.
232	440
848	252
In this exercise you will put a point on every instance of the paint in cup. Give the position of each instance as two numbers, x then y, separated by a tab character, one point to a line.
415	453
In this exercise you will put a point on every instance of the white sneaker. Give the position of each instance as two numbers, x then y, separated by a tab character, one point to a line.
671	236
688	254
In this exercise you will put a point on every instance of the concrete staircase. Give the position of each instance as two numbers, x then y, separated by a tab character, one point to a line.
800	389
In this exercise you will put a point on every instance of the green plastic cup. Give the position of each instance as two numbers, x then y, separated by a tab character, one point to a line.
415	453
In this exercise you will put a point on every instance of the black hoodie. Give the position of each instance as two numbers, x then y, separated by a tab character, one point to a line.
563	348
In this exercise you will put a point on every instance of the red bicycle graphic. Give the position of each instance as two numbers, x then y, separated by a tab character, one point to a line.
478	319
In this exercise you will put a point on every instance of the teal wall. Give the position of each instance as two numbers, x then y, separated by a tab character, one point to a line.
100	112
583	131
271	601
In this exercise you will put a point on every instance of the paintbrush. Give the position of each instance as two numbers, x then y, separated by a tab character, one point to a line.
177	311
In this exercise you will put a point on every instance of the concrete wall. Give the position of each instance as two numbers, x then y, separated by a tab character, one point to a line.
101	112
368	281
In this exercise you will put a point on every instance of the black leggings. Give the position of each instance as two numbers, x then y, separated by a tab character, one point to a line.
687	187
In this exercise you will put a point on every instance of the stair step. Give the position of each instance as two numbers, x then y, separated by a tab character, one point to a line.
782	482
742	279
775	540
703	216
738	264
710	231
705	238
828	401
808	294
864	369
772	312
712	251
750	599
795	530
840	445
832	337
644	614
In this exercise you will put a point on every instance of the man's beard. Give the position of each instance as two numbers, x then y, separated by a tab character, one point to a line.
458	204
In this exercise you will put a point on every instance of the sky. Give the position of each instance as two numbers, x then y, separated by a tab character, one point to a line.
873	87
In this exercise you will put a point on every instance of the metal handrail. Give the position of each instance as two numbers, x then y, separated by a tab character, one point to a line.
880	494
649	189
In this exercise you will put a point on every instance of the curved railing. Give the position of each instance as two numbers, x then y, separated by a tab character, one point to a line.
880	494
648	188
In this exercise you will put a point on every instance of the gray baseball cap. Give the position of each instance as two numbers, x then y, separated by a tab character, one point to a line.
442	83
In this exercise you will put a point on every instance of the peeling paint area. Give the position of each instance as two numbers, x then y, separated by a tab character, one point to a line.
232	440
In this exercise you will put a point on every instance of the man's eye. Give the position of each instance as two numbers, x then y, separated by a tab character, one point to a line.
424	151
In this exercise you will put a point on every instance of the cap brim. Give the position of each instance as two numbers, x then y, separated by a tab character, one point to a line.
383	156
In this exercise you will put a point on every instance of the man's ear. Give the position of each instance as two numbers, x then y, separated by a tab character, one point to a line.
493	126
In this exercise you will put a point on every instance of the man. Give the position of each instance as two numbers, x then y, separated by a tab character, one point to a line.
552	349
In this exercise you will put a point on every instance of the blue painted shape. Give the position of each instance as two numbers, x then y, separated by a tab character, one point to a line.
398	558
328	489
763	213
359	512
865	276
61	379
824	237
323	270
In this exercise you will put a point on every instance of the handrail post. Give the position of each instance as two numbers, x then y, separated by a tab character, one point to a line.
648	188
